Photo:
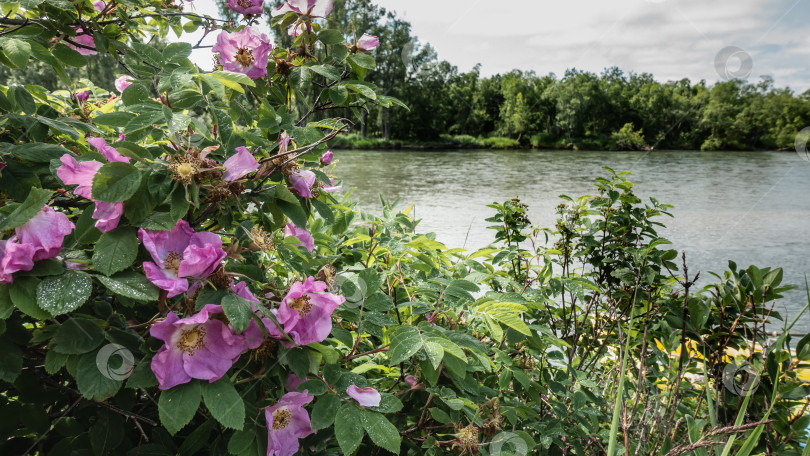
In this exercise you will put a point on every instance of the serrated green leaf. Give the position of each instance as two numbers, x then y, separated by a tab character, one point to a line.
177	406
405	342
324	411
116	181
330	36
92	382
36	200
77	336
64	293
23	293
38	152
18	51
381	431
238	311
177	52
116	250
349	429
224	403
132	285
69	56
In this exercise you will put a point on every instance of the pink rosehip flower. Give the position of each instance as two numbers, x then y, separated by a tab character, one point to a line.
287	421
302	182
107	215
195	347
245	51
85	40
332	188
178	254
109	152
293	382
45	232
311	8
81	97
37	239
327	157
14	257
366	397
239	165
246	6
121	137
306	312
283	142
367	42
307	241
99	6
123	82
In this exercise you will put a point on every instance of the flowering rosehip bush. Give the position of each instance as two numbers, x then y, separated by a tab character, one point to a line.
181	274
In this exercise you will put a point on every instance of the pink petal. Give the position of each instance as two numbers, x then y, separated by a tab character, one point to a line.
366	397
167	366
239	165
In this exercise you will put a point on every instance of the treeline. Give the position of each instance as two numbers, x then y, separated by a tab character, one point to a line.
612	110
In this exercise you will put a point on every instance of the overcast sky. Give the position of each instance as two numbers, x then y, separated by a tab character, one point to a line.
671	39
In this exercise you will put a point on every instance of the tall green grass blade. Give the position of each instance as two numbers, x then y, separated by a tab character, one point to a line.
617	406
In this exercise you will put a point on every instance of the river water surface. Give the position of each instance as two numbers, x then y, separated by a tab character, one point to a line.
750	207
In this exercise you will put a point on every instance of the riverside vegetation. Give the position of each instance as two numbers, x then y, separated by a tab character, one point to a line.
181	274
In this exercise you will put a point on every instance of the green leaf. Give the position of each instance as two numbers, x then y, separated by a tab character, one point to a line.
366	91
11	361
434	352
228	78
116	250
23	293
348	429
330	36
224	403
176	52
324	411
77	336
36	200
240	441
388	404
64	293
326	71
6	305
135	93
381	431
363	61
92	382
54	361
117	119
116	181
177	406
38	152
405	342
238	311
69	56
132	285
17	51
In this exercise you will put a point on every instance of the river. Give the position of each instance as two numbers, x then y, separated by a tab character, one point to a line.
750	207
